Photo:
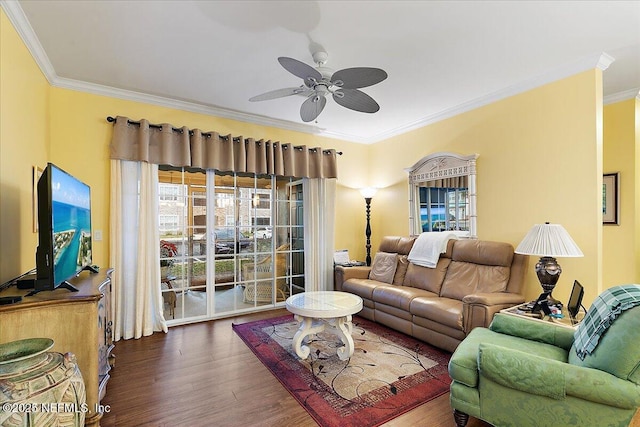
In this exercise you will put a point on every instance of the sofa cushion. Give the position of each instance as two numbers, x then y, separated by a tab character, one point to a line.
429	279
401	270
398	296
477	267
361	287
483	252
442	310
464	278
384	267
396	244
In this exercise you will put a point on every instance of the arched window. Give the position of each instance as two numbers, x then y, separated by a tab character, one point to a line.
442	194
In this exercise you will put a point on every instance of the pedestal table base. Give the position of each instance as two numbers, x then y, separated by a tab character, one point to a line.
308	326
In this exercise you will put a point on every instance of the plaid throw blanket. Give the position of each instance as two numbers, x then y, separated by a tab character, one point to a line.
604	310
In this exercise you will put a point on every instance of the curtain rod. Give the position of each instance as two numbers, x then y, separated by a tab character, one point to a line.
208	134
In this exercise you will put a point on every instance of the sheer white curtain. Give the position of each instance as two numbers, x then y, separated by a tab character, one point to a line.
135	250
319	196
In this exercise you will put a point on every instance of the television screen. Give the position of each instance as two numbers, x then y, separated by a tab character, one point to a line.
64	221
575	299
71	223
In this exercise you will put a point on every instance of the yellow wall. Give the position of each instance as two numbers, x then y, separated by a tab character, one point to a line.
43	124
24	118
80	137
540	160
619	241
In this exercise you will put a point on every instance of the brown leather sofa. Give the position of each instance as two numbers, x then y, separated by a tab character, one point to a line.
471	282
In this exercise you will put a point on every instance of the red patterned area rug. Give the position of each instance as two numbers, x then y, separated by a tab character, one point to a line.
389	373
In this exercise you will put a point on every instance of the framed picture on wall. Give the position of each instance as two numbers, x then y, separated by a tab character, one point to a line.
611	198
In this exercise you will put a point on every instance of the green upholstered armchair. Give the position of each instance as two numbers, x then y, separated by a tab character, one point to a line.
523	372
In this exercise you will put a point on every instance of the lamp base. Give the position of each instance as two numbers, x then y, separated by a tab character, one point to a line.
552	301
367	231
548	271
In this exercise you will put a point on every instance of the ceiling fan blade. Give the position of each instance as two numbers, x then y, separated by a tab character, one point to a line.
355	99
278	93
312	107
354	78
300	69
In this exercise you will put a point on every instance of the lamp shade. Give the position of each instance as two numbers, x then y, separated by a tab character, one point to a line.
368	192
550	240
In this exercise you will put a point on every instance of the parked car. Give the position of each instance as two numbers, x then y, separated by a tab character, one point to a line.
263	233
226	238
223	249
225	242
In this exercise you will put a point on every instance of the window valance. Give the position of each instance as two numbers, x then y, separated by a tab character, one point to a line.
454	182
183	147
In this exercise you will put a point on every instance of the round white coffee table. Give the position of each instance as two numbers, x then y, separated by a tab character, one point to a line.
316	309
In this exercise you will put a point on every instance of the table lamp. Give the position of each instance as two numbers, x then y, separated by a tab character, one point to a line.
548	241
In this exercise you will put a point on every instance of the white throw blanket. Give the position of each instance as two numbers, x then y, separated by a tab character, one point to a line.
428	246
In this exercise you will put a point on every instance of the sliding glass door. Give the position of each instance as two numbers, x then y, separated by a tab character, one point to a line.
238	242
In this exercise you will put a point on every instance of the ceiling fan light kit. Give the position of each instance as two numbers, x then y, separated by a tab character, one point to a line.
321	81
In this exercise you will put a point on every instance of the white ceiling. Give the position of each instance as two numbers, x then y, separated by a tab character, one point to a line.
442	57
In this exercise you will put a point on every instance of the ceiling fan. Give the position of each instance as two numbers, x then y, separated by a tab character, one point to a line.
319	82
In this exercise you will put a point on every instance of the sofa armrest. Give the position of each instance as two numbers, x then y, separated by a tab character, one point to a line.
506	299
522	327
341	274
478	309
555	379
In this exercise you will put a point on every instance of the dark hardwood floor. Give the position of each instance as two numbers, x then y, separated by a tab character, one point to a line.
204	375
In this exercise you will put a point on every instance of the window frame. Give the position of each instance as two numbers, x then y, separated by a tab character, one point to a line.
439	166
229	204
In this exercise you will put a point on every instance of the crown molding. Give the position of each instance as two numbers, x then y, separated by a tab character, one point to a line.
600	61
622	96
596	61
194	107
19	20
211	110
604	60
23	27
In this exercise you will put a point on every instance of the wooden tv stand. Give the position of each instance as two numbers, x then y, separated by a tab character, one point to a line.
77	322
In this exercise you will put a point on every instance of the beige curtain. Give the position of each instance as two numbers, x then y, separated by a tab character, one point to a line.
319	197
182	147
137	308
136	150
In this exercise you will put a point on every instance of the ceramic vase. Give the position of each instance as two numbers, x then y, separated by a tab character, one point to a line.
38	387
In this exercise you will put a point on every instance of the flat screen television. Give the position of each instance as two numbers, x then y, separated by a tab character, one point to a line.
64	229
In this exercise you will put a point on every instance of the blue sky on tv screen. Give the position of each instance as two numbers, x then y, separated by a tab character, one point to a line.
68	190
71	225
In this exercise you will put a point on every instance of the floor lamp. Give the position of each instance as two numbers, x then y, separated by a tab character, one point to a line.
368	194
